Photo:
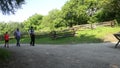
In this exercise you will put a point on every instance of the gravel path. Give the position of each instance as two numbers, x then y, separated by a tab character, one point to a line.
98	55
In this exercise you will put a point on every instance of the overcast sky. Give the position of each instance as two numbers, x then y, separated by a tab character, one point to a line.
31	7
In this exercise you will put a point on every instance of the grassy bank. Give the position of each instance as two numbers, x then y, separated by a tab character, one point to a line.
83	36
4	55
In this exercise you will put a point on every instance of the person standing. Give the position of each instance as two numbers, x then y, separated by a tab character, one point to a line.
17	35
6	38
32	36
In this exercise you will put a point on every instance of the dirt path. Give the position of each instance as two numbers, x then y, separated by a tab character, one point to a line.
100	55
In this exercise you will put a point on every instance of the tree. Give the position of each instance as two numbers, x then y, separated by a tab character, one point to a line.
112	8
91	10
53	20
10	6
35	21
74	11
69	13
108	10
10	27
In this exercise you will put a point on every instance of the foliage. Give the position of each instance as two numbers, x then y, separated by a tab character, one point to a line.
73	12
35	21
110	10
10	6
10	27
53	19
78	12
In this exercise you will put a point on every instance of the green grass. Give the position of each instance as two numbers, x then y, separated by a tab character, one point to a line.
99	32
83	36
4	55
68	40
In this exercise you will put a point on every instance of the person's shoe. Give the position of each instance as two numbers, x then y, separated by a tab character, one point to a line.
33	45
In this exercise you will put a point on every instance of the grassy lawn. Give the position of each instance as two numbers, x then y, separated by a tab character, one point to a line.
83	36
98	33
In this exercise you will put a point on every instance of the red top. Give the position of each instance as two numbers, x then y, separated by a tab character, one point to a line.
6	37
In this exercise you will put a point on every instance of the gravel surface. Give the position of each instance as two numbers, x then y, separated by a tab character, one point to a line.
97	55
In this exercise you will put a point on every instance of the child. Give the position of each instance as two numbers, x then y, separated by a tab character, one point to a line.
6	38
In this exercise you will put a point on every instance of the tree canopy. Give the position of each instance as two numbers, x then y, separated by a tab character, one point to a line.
73	12
34	20
10	6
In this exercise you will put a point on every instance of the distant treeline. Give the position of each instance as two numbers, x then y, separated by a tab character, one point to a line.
73	12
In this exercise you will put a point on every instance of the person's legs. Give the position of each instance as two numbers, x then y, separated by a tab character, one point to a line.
33	40
18	41
30	40
8	45
5	44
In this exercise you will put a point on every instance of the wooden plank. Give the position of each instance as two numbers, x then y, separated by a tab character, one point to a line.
117	37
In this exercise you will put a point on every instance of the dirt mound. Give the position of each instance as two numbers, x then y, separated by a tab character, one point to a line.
110	38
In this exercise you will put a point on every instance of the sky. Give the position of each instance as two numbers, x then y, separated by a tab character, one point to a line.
31	7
